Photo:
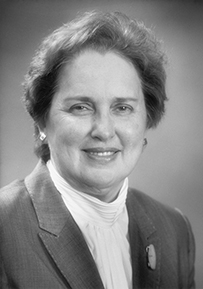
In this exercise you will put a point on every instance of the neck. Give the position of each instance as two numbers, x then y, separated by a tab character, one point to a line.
106	195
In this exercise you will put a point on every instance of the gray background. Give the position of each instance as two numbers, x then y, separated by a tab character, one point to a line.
171	168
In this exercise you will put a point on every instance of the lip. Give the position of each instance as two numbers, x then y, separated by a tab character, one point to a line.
102	154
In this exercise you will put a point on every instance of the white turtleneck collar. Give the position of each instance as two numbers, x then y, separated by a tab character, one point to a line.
105	229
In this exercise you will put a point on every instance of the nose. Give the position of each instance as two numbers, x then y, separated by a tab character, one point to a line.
103	127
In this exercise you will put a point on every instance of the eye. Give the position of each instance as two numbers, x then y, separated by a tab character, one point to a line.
123	109
81	108
78	107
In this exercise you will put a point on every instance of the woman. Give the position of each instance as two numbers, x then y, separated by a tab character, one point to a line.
94	88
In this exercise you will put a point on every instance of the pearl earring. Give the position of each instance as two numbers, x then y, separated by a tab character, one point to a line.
42	136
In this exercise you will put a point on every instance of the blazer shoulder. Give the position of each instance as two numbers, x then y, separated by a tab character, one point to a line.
148	203
162	215
173	228
12	197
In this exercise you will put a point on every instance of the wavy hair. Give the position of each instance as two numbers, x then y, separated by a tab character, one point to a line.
102	32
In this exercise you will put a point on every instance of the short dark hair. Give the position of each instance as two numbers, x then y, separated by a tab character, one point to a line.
102	32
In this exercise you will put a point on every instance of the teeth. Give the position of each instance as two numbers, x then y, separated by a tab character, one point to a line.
101	154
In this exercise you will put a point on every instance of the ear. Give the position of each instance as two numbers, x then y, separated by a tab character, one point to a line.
145	141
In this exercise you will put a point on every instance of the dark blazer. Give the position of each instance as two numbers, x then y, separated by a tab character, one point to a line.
42	247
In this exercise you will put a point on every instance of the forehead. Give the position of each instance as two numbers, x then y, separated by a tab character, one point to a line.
95	70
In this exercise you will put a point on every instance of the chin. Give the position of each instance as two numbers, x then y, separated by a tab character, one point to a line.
101	181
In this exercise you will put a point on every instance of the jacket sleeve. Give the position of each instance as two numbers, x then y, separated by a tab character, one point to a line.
3	277
191	256
191	253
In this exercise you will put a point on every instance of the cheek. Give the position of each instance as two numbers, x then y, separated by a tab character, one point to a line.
133	135
68	137
61	135
69	134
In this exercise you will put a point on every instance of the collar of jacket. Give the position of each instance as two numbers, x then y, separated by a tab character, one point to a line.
67	247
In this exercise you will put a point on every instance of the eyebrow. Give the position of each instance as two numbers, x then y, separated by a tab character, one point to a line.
82	98
123	99
90	99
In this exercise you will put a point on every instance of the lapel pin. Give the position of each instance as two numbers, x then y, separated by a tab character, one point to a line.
151	257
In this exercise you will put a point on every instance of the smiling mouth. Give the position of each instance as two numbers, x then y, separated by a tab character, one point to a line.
102	154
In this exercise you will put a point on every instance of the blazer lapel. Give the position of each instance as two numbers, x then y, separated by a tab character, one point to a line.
142	234
60	234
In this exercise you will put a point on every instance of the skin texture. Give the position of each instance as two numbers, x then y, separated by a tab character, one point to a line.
97	122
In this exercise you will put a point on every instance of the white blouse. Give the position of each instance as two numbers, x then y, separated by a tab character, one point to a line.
105	229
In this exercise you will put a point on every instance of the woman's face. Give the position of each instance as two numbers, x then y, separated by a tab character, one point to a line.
97	123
